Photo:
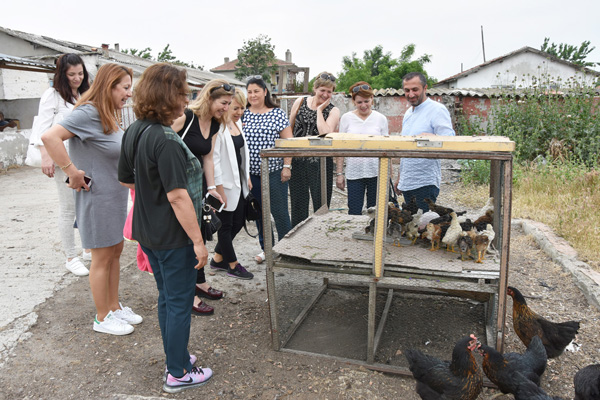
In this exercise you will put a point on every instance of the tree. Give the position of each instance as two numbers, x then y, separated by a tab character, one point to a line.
574	54
145	53
166	55
256	57
381	70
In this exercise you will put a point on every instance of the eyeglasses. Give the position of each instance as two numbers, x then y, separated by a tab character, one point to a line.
227	87
357	89
327	76
255	77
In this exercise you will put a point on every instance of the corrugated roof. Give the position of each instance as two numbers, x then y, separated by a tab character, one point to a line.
24	64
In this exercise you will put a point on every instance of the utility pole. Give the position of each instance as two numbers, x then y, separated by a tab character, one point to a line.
482	43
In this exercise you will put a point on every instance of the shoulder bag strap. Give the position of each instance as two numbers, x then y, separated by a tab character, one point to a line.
188	127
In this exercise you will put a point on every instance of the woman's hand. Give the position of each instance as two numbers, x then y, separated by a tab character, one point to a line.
249	185
47	163
340	182
216	194
221	191
286	174
77	182
324	105
201	255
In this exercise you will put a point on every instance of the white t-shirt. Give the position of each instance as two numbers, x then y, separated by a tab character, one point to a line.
376	124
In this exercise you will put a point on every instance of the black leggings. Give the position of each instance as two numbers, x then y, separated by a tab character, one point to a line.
231	224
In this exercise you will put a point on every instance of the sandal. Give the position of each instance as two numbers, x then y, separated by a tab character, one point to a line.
260	257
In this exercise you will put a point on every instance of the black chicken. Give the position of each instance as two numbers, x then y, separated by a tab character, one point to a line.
507	370
527	324
411	206
528	390
458	379
587	383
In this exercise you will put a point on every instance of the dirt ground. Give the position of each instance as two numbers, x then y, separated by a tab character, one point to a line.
63	358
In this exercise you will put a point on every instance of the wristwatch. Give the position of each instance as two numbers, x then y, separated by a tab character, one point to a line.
287	166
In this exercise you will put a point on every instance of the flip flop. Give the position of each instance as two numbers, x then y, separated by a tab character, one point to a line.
260	257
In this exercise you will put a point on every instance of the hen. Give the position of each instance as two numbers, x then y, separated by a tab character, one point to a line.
528	390
587	383
458	379
527	324
505	369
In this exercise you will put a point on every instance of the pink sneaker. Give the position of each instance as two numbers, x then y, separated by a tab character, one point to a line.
194	378
193	360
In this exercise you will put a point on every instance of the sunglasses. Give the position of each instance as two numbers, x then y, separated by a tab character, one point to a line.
255	77
327	76
227	87
357	89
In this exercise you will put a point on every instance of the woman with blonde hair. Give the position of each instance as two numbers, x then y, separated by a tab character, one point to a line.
198	128
312	115
361	172
232	165
100	201
168	182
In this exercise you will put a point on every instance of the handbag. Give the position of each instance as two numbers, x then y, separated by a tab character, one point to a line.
210	222
34	157
252	208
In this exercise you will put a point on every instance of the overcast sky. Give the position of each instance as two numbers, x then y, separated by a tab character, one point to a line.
318	33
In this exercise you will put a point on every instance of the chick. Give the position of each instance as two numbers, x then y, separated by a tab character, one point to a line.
489	232
411	206
487	218
426	218
394	231
434	234
482	242
465	245
412	227
453	233
441	210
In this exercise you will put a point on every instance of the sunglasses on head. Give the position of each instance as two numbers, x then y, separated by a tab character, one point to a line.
226	86
256	77
327	76
357	89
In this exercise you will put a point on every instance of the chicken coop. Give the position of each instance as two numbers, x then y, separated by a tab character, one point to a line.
367	292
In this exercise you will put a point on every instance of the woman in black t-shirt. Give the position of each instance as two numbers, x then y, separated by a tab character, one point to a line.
198	128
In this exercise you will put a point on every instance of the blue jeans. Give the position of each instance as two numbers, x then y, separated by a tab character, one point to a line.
430	192
176	282
279	205
356	194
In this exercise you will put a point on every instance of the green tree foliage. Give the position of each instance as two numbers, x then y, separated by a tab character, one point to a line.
166	55
380	69
145	53
574	54
256	57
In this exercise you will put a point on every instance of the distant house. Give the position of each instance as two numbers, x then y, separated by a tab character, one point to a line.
521	68
286	69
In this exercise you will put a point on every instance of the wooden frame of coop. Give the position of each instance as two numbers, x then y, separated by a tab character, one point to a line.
488	287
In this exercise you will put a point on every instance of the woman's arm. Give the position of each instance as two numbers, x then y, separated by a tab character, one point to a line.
286	173
186	215
294	112
327	126
178	123
43	122
53	142
218	158
209	171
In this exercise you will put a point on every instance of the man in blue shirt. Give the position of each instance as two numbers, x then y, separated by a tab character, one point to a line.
421	177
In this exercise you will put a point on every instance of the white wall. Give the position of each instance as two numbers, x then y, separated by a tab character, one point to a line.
520	70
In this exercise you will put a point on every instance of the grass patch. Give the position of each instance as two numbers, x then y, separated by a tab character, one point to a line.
564	196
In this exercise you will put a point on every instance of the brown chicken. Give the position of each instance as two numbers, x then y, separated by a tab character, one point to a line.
458	379
487	218
441	210
508	370
481	243
587	383
434	234
527	324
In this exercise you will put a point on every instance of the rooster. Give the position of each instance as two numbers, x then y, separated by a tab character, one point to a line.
527	324
502	369
458	379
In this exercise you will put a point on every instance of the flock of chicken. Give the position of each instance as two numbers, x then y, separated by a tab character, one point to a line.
519	374
441	225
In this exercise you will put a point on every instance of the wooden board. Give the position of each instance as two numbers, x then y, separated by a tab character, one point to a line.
354	141
330	239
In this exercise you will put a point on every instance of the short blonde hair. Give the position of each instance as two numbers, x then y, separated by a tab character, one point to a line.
213	90
240	98
324	81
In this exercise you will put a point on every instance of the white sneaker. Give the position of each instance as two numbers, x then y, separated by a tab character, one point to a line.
77	267
112	325
87	256
126	314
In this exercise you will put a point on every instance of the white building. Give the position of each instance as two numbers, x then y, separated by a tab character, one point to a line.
525	67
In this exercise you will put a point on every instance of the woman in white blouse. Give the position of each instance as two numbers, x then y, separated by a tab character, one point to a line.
57	102
361	172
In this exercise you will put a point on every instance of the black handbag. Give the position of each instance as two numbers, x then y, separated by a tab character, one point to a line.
252	208
210	222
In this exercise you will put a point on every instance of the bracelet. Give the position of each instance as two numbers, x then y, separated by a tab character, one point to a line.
67	166
287	166
211	187
339	173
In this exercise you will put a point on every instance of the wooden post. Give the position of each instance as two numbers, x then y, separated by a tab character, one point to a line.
268	244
